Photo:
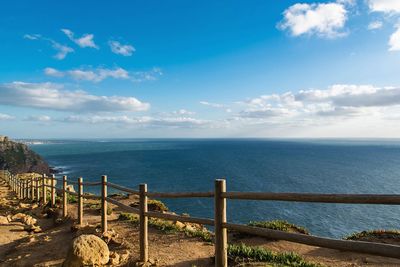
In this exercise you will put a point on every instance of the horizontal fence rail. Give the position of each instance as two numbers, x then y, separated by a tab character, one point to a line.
319	198
123	188
37	188
180	195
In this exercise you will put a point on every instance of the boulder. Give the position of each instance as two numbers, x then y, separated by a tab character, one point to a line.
70	188
87	250
24	218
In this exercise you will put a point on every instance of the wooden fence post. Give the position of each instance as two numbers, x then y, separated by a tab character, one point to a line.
32	189
80	201
22	189
104	203
44	189
221	240
19	188
143	220
53	190
25	191
37	189
65	199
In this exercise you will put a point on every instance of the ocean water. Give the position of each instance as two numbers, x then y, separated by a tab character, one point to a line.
314	166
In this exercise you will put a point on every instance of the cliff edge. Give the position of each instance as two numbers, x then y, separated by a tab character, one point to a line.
18	158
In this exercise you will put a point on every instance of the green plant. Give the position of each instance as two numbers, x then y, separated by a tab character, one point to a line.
156	205
202	234
133	218
167	226
72	198
390	234
280	225
243	252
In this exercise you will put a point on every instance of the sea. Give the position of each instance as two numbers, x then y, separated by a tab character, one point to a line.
248	165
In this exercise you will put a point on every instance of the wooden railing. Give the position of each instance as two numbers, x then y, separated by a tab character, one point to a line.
36	189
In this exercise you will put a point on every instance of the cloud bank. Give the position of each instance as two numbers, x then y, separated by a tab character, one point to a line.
54	97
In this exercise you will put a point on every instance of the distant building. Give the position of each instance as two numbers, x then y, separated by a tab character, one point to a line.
3	139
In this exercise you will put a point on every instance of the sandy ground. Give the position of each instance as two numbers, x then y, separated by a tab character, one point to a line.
49	248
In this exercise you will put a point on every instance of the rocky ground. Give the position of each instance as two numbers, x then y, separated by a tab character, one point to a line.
29	237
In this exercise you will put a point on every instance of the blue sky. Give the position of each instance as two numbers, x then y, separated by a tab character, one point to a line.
200	69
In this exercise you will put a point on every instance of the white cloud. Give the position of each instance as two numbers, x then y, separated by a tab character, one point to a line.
336	101
142	76
214	105
6	117
85	41
53	72
147	121
322	19
385	6
32	36
55	97
39	118
394	41
120	49
374	25
183	112
62	50
100	74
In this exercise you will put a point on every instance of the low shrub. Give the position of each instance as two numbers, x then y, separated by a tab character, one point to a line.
280	225
389	234
242	252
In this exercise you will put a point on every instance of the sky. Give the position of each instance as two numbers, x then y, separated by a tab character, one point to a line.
199	69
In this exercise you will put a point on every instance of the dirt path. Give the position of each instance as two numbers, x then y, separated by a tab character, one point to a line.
49	248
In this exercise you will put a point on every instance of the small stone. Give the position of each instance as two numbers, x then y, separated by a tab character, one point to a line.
114	258
179	224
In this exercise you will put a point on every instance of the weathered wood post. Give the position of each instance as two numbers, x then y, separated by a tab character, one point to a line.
25	191
80	201
27	188
44	189
65	197
19	188
37	189
104	203
143	219
32	189
221	240
53	190
22	189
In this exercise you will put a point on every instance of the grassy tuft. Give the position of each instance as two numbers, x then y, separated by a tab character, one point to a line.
72	198
133	218
246	253
280	225
202	234
167	226
389	234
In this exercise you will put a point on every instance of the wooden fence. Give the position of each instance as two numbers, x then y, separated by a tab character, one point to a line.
36	189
